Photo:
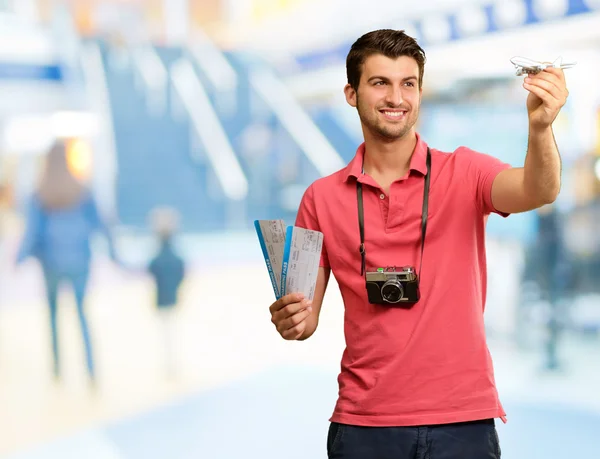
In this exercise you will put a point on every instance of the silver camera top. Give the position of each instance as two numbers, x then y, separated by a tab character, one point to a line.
404	273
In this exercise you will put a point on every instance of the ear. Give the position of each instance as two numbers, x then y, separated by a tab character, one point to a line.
350	94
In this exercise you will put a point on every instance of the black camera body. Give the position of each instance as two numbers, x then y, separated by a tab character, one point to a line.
393	286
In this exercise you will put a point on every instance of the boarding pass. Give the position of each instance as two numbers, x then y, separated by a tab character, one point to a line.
292	256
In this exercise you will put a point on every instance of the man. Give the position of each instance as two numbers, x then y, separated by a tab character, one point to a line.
417	379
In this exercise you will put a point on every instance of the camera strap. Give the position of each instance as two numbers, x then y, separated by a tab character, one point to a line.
361	217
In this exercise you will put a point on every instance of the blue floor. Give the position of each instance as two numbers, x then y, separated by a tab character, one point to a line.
282	413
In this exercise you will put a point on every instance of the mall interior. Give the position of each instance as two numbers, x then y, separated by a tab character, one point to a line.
197	117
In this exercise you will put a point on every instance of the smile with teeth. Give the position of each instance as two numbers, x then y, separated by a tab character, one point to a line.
393	114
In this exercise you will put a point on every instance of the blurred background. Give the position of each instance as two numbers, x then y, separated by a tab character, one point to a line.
173	124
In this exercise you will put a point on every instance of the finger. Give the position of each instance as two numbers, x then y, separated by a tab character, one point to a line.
285	300
290	310
550	78
294	320
557	76
546	85
295	332
556	71
294	308
544	95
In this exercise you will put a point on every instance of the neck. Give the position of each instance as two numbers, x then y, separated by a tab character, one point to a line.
389	157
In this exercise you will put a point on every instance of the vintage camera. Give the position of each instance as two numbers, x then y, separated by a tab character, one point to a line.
393	286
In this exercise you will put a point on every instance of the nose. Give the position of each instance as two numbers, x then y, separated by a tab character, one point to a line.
394	96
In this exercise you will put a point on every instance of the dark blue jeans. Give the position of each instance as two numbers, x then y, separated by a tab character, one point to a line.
78	281
467	440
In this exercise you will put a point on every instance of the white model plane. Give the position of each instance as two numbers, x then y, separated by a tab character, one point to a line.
531	67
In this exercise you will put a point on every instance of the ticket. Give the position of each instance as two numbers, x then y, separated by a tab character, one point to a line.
301	257
271	234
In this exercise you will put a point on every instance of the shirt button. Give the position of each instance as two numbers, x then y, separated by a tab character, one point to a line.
382	196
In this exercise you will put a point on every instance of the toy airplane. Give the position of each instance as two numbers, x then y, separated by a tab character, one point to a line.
531	67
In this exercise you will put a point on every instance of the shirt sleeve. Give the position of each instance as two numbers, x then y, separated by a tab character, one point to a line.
100	225
482	170
307	218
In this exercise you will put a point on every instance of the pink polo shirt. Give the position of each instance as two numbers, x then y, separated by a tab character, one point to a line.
429	364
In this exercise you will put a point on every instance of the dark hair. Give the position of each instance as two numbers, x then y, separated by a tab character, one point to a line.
390	43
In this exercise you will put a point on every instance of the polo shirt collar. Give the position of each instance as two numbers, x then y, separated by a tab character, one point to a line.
418	160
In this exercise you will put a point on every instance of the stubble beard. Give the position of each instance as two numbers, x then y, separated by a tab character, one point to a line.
378	127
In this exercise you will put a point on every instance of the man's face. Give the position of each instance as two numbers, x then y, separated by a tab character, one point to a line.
388	96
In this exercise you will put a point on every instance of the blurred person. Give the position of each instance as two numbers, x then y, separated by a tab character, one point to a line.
62	217
416	376
551	280
540	279
167	269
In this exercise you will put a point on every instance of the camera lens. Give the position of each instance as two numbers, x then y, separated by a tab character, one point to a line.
392	291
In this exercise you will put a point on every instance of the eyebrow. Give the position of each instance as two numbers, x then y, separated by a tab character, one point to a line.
376	77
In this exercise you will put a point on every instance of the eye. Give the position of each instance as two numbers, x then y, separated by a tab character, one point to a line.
378	83
410	83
